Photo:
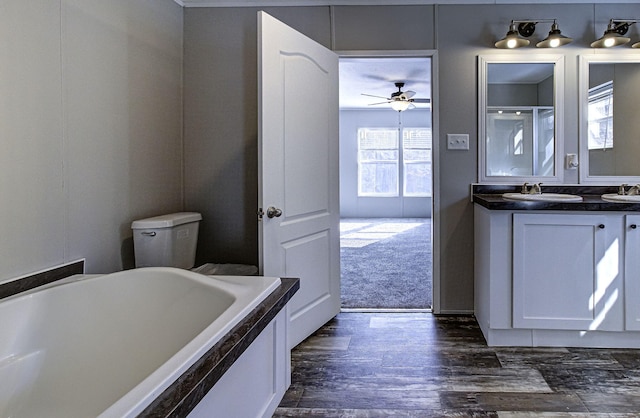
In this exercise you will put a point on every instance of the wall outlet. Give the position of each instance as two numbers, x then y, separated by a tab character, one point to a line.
458	141
571	161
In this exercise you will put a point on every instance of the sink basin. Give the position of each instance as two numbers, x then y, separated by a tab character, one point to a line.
621	198
544	197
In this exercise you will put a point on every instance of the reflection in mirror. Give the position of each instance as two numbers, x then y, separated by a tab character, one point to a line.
613	137
518	118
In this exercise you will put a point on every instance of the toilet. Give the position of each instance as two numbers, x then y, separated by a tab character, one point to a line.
167	240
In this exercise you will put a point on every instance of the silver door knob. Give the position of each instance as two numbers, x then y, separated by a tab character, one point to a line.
273	212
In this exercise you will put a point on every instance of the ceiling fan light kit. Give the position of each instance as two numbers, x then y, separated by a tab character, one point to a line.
400	105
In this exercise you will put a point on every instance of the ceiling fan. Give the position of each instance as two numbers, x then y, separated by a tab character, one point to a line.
400	100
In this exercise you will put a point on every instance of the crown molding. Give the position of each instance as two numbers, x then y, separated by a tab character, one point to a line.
271	3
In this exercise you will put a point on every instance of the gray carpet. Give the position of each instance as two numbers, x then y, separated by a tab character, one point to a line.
386	263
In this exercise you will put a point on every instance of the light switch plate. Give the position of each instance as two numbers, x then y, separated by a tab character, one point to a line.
458	141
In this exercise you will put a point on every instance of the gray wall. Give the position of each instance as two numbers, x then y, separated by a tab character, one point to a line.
92	106
90	128
353	206
221	123
540	94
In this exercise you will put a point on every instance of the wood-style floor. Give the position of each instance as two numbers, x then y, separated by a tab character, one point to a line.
363	365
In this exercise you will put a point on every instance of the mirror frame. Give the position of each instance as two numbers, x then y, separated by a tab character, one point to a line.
583	128
558	104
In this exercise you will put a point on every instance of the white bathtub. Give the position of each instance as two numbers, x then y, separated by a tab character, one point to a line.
109	345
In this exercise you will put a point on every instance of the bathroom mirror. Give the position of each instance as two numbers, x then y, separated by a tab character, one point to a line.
609	119
520	116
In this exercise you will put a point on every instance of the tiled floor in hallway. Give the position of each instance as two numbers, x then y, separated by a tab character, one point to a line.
364	365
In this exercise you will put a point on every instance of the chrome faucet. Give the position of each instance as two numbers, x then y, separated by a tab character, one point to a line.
621	189
535	188
634	190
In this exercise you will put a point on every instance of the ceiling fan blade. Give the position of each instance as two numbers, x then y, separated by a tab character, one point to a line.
411	106
372	95
421	100
409	94
371	104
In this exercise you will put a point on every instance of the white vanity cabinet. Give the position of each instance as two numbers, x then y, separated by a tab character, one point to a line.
557	278
632	272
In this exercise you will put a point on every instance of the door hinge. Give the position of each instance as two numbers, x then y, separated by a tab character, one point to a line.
260	214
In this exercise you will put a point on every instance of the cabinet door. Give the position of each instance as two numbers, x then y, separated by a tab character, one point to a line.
632	272
566	272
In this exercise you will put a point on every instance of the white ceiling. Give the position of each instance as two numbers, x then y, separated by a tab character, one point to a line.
376	76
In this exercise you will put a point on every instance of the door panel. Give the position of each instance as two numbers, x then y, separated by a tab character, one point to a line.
298	152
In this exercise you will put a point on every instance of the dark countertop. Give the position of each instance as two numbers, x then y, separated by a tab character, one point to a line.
490	197
495	201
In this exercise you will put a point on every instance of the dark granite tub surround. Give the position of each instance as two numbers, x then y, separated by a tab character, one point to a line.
41	278
184	394
490	196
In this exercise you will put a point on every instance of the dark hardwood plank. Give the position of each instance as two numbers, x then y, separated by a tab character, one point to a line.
374	365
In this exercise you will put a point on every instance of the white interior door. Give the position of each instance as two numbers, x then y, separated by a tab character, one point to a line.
298	165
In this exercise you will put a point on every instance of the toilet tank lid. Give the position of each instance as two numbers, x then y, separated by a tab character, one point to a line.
166	221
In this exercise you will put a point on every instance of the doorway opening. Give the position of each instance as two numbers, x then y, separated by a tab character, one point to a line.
386	126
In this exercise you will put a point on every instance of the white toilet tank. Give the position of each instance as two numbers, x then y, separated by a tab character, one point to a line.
166	240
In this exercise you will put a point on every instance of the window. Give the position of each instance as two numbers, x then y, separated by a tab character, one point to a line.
600	113
380	159
416	153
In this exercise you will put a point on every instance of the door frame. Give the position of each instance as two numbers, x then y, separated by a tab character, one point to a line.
435	150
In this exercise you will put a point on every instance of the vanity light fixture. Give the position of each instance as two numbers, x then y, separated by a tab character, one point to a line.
526	28
555	38
615	34
513	39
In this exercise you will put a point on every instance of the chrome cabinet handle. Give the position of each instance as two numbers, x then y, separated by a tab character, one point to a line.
273	212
